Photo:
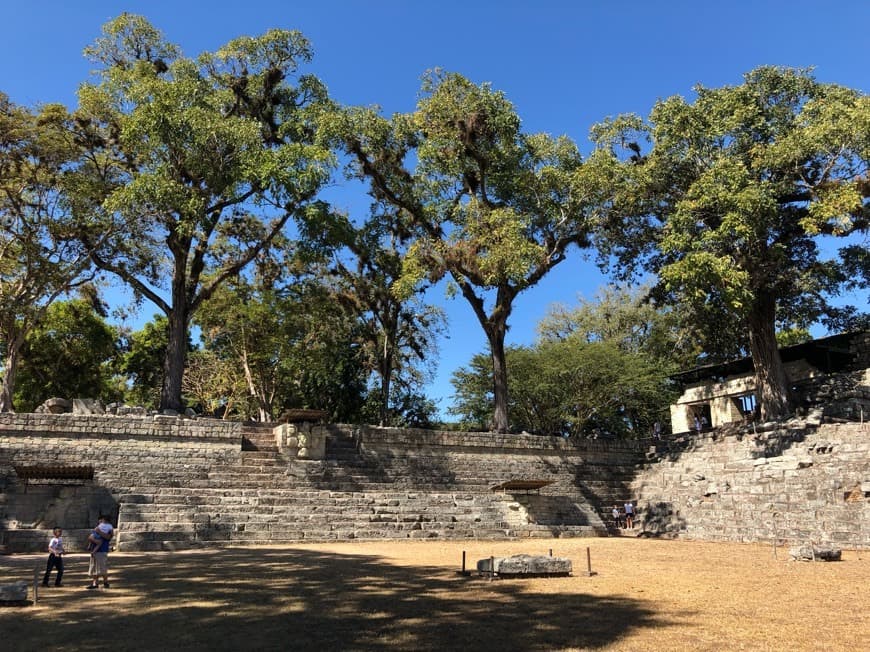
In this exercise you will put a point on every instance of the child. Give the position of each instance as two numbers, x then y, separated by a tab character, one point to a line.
103	532
55	558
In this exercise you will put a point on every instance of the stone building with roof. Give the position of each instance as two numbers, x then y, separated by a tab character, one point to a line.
832	371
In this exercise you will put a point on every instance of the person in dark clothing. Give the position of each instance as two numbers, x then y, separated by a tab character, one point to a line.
55	558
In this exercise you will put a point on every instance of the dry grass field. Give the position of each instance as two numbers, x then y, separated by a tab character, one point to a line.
645	595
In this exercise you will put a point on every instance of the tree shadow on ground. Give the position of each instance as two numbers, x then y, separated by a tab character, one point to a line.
290	599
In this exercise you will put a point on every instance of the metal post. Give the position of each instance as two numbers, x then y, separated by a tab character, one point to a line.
463	562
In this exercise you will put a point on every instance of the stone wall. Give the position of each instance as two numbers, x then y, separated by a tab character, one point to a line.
121	451
794	484
173	482
595	469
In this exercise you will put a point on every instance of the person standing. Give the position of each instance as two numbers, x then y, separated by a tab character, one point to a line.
98	543
55	558
629	515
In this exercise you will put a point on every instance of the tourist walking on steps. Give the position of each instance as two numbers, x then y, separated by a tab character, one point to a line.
55	558
616	519
629	515
98	545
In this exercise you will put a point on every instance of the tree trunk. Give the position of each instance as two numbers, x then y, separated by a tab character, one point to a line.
7	385
771	384
173	363
386	373
264	409
496	334
495	327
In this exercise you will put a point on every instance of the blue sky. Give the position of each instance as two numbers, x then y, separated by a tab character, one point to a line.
564	64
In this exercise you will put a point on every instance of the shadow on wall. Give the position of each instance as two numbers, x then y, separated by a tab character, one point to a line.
772	444
31	511
661	520
767	440
552	510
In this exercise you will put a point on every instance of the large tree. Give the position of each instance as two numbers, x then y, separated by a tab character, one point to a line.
70	353
726	199
626	317
601	367
39	262
277	339
489	206
211	157
397	332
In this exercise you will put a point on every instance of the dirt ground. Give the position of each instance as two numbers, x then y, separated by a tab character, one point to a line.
645	595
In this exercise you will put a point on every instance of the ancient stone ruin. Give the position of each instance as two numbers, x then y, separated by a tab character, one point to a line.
811	552
524	566
174	481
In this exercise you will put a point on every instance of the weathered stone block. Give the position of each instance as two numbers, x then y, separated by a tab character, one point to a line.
525	565
87	406
15	592
817	553
57	405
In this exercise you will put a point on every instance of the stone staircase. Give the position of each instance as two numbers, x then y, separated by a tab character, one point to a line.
260	496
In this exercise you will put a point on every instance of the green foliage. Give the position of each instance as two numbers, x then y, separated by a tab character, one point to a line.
408	409
601	369
215	386
630	319
70	355
729	201
490	207
571	387
195	165
396	332
275	340
792	337
472	399
141	362
38	261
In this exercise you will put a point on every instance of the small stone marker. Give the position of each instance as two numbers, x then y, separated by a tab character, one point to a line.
815	553
15	592
525	566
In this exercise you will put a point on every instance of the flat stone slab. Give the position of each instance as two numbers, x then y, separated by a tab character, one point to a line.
522	485
301	415
525	565
16	592
815	553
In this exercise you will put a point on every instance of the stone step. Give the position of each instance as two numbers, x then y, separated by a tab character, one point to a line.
431	510
391	508
259	438
279	524
157	541
397	500
262	457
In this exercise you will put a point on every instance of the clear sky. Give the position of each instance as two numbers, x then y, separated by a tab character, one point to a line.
564	64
